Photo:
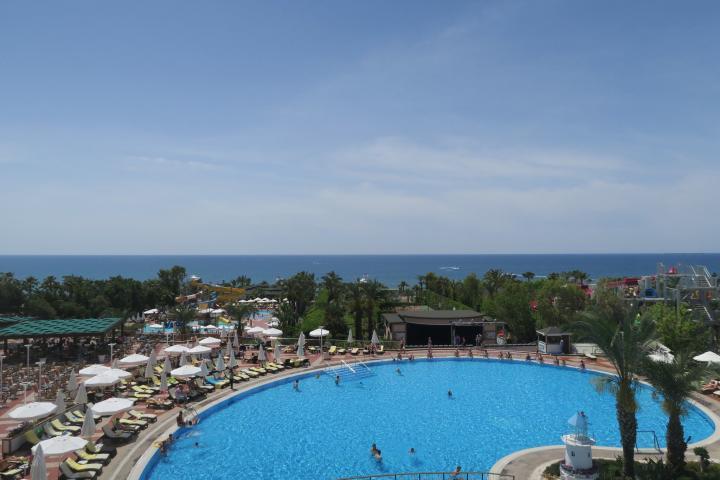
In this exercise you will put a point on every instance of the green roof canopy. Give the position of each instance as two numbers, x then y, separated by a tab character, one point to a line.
84	327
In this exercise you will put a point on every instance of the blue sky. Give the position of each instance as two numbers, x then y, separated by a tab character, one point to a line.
359	127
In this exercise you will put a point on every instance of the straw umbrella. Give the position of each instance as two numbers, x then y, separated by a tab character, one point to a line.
81	395
38	470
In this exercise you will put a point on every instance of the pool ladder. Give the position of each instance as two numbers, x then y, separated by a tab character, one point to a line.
347	372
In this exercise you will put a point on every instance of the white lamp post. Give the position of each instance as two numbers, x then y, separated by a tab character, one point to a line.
40	364
27	346
111	345
25	386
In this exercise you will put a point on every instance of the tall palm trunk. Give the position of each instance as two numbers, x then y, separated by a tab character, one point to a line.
358	324
675	440
627	421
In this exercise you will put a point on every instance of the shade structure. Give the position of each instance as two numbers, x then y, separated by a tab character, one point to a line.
183	359
166	365
176	349
199	350
261	354
204	370
220	363
72	384
152	311
301	345
272	332
118	373
111	406
163	382
38	470
232	362
375	340
210	342
133	360
81	395
278	352
59	445
60	401
319	332
115	364
709	357
229	347
254	330
149	370
93	370
103	380
236	340
88	426
186	371
33	410
350	337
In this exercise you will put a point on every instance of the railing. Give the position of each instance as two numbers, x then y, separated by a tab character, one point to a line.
436	476
656	444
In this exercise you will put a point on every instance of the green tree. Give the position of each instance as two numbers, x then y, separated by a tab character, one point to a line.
678	332
183	315
374	295
675	381
333	285
493	280
559	303
512	305
300	291
356	305
626	345
11	294
528	276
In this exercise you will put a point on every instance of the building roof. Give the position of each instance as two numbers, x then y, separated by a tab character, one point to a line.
433	317
552	332
60	327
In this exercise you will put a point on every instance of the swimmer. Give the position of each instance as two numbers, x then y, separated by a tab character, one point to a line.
197	444
457	471
296	385
450	394
397	370
411	451
317	375
373	449
337	379
582	364
378	455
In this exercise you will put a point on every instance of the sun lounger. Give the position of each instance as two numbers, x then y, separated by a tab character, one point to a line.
31	436
590	356
312	349
258	370
68	473
241	377
250	373
276	365
270	368
114	435
354	351
93	457
381	349
73	419
124	422
51	431
217	383
64	428
332	350
150	417
83	467
92	447
13	472
341	351
158	369
157	403
81	415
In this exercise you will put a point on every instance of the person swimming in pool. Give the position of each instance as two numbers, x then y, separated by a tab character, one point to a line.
337	379
450	394
296	385
411	451
397	370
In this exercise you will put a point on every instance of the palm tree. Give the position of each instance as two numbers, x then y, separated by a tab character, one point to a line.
675	381
183	315
493	280
332	283
626	345
356	304
528	276
239	312
374	294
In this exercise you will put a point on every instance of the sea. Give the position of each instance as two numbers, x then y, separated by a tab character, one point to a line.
388	269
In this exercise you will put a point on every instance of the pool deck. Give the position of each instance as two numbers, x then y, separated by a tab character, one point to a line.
527	464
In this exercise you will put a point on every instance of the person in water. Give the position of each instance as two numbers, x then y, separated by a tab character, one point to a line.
457	471
397	370
411	451
296	385
450	394
337	379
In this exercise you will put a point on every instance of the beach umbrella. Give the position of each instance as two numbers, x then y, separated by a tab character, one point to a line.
261	354
72	384
33	410
149	370
176	349
166	365
88	426
210	342
255	330
709	357
93	370
272	332
350	337
375	340
152	311
203	369
154	326
103	380
163	382
229	347
111	406
660	356
185	371
278	352
81	395
118	373
320	332
199	350
60	401
232	363
38	470
133	360
236	340
301	345
59	445
183	359
220	363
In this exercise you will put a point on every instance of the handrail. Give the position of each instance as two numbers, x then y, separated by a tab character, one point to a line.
438	475
655	440
348	366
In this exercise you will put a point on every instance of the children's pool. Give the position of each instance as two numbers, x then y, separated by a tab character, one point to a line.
325	431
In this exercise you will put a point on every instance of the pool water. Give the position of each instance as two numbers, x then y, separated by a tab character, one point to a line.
325	431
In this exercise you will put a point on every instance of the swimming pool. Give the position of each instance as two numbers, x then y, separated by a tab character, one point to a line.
325	431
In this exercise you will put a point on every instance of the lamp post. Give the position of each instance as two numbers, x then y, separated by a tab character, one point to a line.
111	345
40	364
27	346
25	387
